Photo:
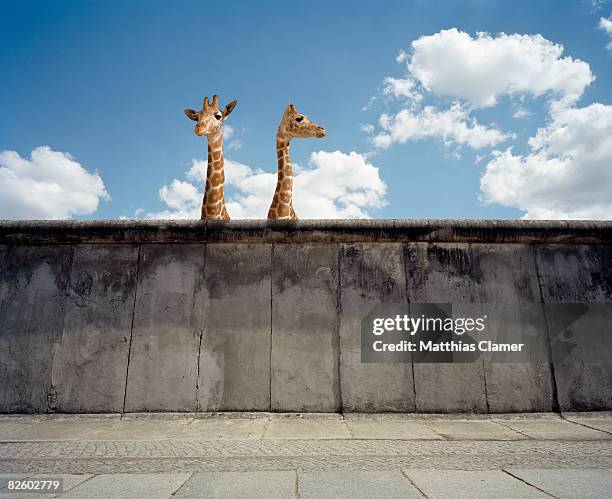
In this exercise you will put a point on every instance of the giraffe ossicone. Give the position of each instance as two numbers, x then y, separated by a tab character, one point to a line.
208	123
293	124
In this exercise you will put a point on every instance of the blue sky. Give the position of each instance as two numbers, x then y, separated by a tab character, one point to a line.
106	82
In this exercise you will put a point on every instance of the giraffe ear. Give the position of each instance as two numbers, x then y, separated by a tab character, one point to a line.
290	109
229	108
191	114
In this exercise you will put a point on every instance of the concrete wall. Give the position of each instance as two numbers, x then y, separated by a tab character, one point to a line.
257	316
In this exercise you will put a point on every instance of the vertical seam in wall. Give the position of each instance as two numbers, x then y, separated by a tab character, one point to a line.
127	369
405	249
484	370
553	377
201	329
484	378
336	342
272	246
65	297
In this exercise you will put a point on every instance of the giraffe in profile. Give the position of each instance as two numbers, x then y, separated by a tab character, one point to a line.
208	122
292	125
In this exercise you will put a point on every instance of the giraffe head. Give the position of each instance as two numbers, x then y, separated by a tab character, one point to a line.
209	119
295	124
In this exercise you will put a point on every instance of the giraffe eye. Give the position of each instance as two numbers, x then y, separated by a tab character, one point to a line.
299	118
218	116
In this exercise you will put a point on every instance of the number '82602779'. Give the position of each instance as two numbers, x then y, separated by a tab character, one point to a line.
40	485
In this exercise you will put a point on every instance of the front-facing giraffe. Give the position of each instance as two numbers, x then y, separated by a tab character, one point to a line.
292	125
208	122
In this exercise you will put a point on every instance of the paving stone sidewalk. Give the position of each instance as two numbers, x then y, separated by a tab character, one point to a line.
311	455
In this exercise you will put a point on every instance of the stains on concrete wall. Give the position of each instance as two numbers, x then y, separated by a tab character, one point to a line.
252	316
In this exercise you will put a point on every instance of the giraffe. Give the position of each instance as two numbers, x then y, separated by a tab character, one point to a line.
292	125
208	122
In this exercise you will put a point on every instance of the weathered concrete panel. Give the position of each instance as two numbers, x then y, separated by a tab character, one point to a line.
499	281
264	323
371	274
162	372
32	288
440	273
235	352
579	274
505	282
3	252
3	260
89	367
304	328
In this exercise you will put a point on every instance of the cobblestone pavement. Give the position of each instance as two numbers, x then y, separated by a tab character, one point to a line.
312	455
165	456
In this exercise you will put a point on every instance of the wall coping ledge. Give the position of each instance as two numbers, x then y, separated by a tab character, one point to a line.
306	231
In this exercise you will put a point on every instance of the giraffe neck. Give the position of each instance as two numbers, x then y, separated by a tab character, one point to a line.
213	205
284	184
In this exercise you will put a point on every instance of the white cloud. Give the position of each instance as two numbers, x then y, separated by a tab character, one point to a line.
367	127
403	56
475	72
231	141
567	175
336	185
183	199
49	185
521	112
481	69
597	5
452	126
566	172
606	25
370	103
235	144
402	88
228	132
